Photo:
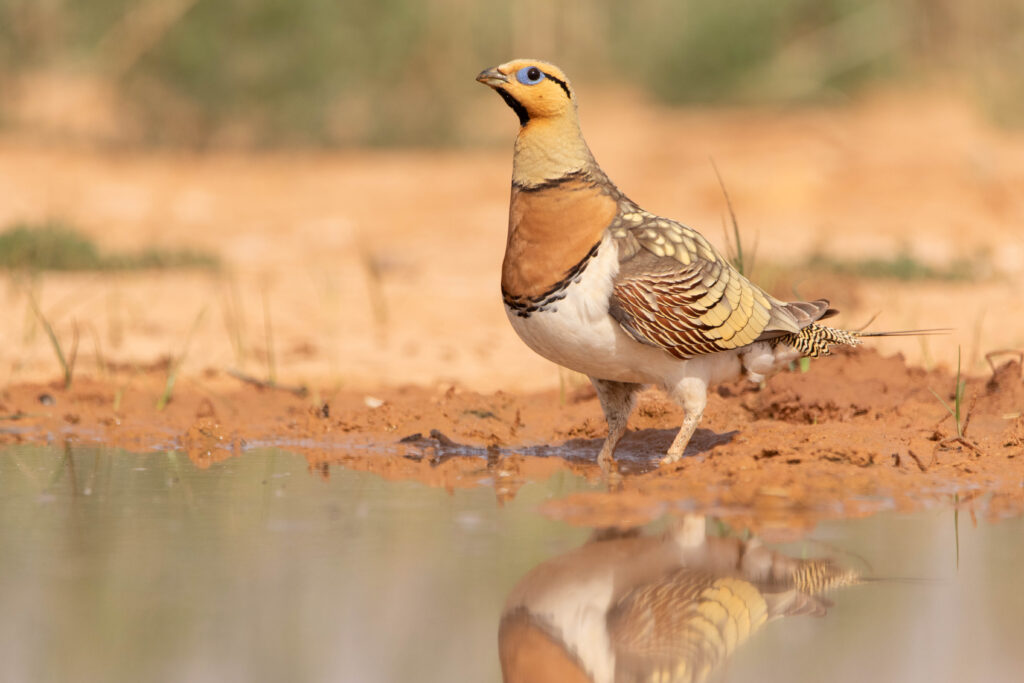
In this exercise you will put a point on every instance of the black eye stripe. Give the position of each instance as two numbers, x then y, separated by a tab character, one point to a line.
559	81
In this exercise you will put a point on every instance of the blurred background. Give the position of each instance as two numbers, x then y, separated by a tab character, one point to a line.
201	73
315	192
318	188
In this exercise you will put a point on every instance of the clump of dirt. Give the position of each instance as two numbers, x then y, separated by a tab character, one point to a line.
855	434
839	391
1002	398
205	442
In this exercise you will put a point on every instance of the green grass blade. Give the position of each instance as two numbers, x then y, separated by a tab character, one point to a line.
955	410
738	260
958	395
54	342
945	405
172	372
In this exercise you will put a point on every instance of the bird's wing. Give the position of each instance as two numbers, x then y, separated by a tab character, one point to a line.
682	626
674	291
685	623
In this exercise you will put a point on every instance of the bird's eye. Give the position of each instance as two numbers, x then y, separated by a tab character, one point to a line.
530	75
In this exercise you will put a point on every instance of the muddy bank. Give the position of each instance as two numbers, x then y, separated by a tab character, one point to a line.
857	433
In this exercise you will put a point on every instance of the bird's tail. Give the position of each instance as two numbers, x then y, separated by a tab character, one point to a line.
816	340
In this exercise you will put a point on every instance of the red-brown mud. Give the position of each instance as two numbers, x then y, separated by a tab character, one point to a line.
855	434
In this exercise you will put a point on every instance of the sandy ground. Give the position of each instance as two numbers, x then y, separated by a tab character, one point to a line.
381	267
374	273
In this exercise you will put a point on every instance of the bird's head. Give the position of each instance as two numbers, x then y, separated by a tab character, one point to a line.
535	90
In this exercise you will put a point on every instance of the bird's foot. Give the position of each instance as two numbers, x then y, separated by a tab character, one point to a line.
678	447
672	456
609	468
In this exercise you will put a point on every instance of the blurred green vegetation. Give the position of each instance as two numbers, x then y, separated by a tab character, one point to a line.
904	266
55	246
748	50
273	72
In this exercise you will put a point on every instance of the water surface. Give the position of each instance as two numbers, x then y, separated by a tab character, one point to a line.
120	566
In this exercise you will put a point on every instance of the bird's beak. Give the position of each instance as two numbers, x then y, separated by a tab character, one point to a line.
492	77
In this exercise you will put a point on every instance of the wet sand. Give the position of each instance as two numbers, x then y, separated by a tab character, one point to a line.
856	434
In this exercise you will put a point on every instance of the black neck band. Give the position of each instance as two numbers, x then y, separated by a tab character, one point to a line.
517	107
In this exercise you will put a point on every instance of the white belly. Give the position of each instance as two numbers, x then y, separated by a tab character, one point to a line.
578	333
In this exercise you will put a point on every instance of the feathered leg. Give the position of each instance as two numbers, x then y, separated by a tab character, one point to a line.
692	394
617	403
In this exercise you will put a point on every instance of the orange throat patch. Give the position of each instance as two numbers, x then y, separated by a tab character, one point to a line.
551	230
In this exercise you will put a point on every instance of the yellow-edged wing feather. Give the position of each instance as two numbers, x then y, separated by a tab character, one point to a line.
674	291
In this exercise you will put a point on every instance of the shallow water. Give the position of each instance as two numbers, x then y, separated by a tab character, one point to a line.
119	566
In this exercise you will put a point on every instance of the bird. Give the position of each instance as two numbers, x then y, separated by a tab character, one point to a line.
596	284
630	606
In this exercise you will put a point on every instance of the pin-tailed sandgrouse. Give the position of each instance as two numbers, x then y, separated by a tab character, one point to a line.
596	284
671	607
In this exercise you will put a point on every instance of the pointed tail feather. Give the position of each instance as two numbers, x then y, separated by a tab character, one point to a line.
816	340
907	333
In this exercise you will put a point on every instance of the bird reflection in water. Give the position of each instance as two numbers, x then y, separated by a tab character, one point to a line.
671	607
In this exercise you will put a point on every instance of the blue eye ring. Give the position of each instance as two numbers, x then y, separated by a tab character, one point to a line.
530	75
